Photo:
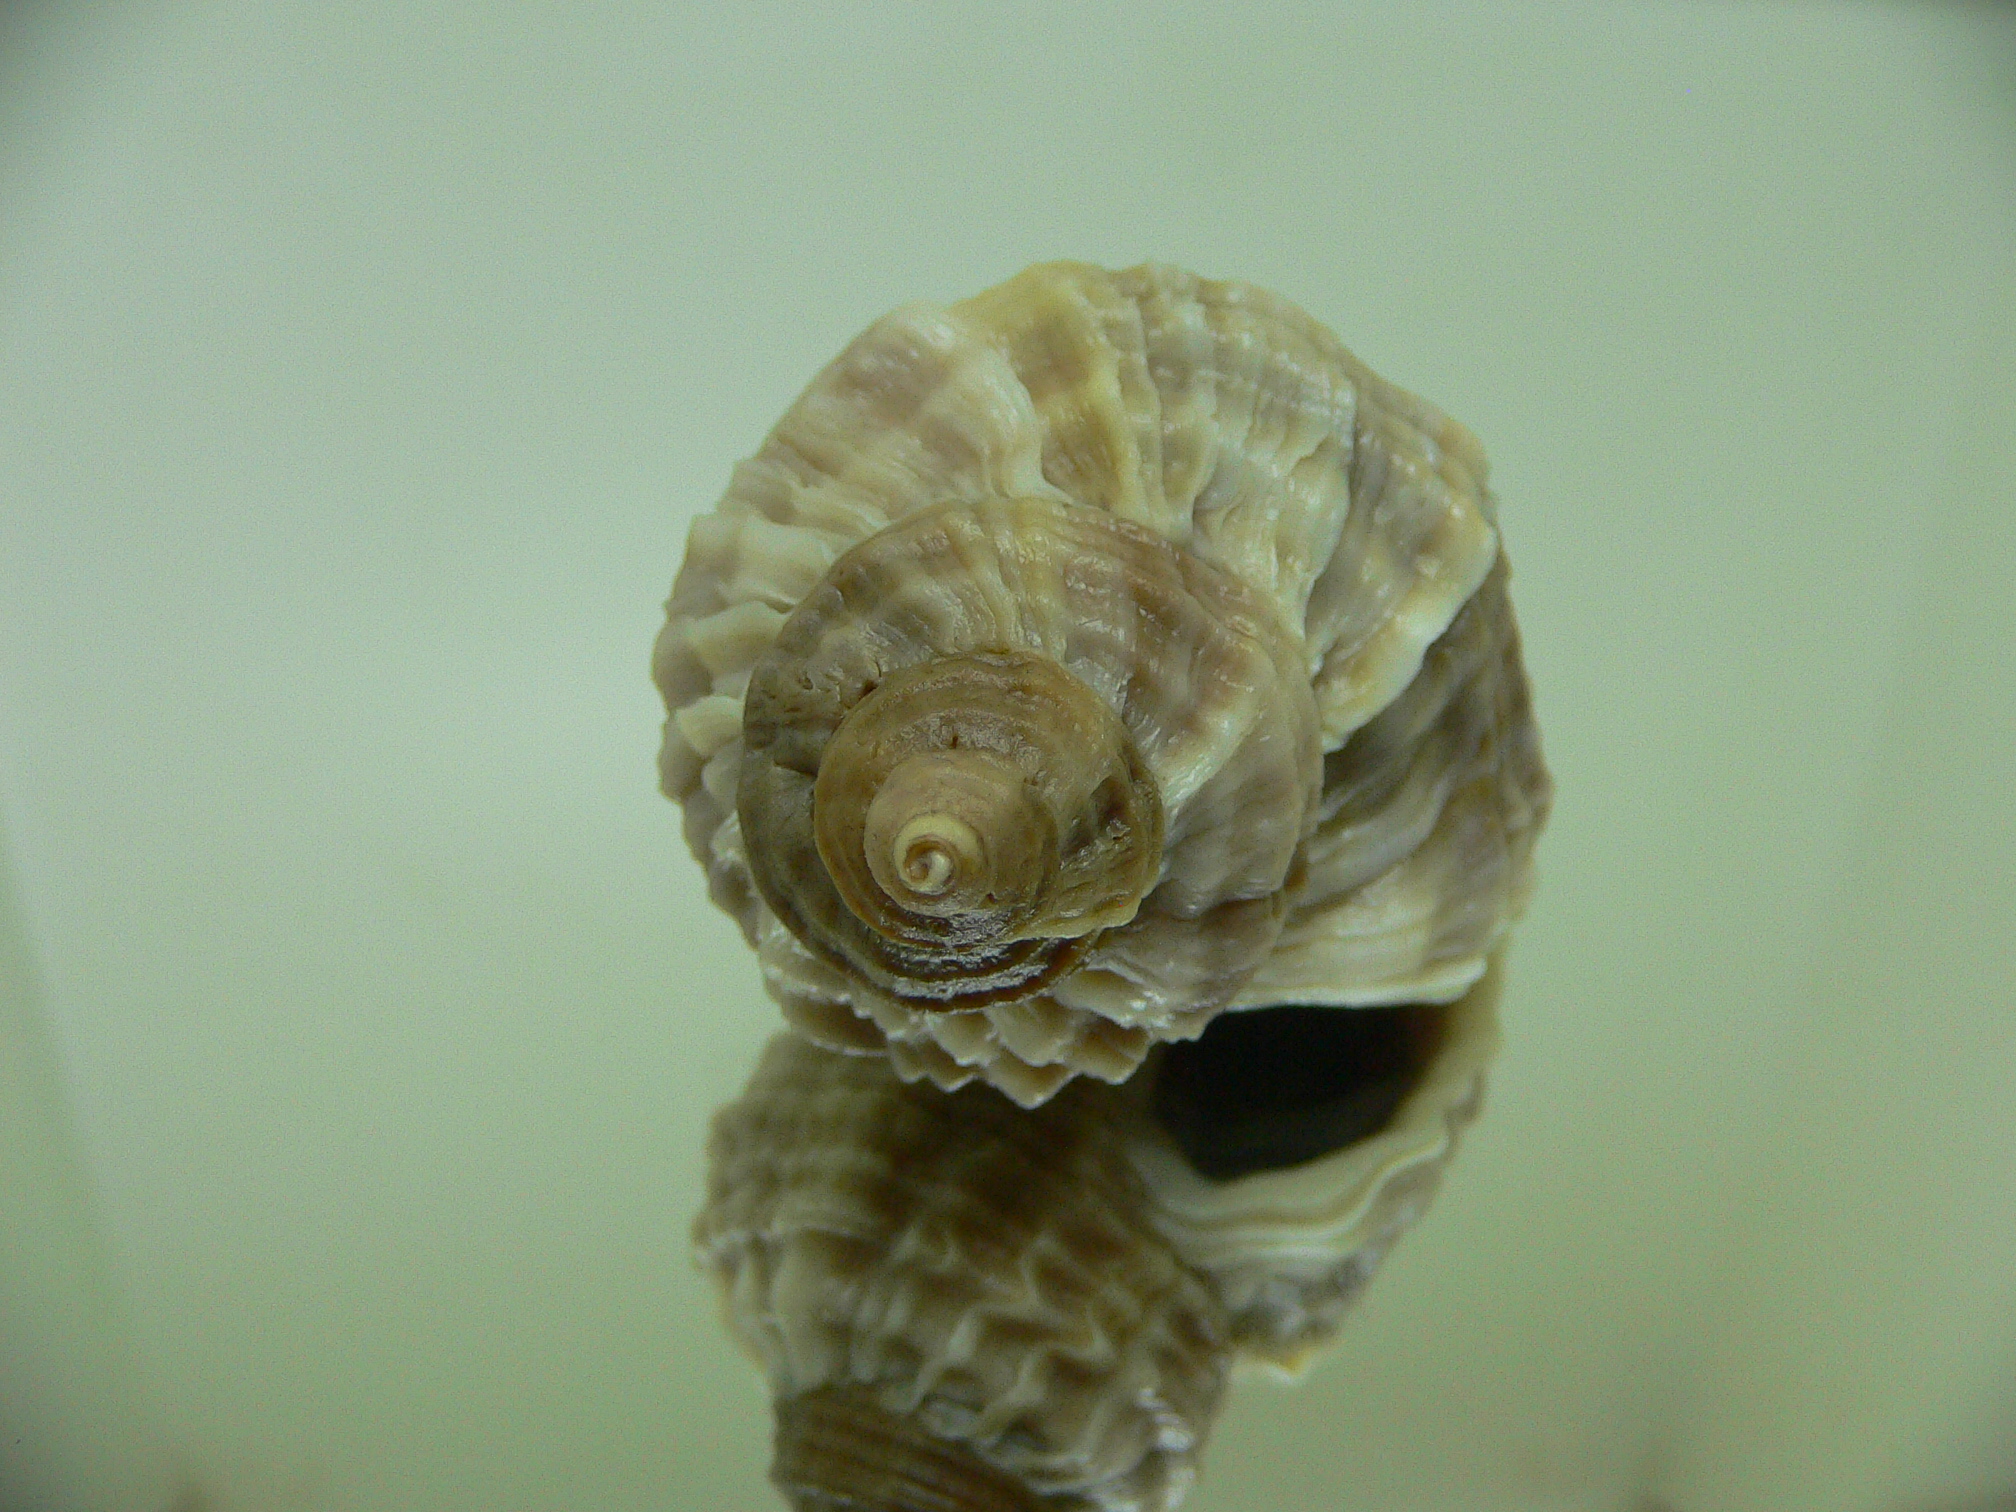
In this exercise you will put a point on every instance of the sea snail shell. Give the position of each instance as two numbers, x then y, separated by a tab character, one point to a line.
962	1306
1090	657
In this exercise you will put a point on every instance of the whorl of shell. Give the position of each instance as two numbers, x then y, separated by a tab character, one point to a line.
955	1300
966	1307
1080	660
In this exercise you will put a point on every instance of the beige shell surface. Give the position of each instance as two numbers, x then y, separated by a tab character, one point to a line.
1279	575
1422	853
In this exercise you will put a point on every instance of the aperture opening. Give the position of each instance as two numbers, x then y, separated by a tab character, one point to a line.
1264	1089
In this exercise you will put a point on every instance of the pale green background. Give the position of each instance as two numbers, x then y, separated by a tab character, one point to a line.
361	366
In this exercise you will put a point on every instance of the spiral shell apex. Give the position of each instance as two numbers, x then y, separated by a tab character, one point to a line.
1080	661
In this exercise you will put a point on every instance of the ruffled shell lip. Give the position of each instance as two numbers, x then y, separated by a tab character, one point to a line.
1289	1246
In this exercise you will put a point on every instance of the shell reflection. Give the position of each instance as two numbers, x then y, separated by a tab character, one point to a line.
964	1305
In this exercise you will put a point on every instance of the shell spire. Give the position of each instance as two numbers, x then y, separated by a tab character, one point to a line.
1082	660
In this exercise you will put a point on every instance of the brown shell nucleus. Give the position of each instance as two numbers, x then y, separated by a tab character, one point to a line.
991	794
